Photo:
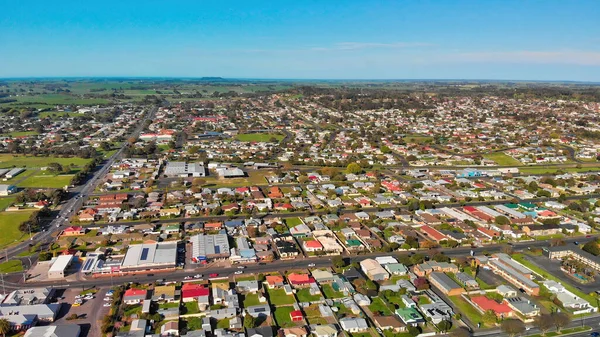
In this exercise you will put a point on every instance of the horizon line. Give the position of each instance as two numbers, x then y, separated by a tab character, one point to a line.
293	79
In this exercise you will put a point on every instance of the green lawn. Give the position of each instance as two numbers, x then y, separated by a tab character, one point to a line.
9	226
377	305
47	181
9	160
278	297
330	293
223	323
191	307
282	316
11	266
563	332
553	170
258	137
168	305
305	296
291	222
418	139
6	201
251	299
468	310
57	114
502	159
543	273
46	100
20	133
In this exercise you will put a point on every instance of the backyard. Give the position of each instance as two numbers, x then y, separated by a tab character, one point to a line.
279	297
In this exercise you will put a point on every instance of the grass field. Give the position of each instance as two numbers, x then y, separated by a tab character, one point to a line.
502	159
251	299
47	181
20	133
5	202
57	114
377	305
282	316
305	296
468	310
8	160
9	227
45	100
417	139
258	137
12	266
291	222
330	293
278	297
254	178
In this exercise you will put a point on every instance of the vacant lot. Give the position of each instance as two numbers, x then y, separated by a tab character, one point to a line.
5	202
282	316
305	296
9	227
8	160
20	133
377	305
502	159
258	137
47	181
11	266
278	297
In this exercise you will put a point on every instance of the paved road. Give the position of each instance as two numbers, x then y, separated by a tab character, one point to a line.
80	193
280	265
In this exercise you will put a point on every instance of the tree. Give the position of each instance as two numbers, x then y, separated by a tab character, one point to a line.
54	167
249	321
543	322
501	220
592	248
413	330
4	326
440	257
560	320
338	261
460	332
512	326
489	317
444	325
354	168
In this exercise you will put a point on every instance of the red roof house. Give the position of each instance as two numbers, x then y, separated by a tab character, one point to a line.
296	316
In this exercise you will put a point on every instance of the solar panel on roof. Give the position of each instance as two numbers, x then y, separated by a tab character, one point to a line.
144	255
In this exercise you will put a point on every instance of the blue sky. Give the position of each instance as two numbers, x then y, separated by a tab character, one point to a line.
331	39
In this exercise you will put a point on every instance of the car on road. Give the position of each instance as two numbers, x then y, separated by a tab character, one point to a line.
106	305
198	276
213	275
188	278
108	299
576	242
311	265
238	272
595	334
241	267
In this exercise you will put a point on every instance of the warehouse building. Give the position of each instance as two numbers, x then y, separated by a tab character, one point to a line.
183	170
59	267
150	256
7	189
209	246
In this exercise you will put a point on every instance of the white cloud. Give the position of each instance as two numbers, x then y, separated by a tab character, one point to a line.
575	57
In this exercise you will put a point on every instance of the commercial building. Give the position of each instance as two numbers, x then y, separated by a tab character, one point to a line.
150	256
374	270
7	189
72	330
59	266
444	283
183	170
575	253
209	246
514	272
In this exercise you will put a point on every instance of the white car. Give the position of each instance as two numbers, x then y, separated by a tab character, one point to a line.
241	267
238	272
108	299
311	264
106	305
188	278
198	276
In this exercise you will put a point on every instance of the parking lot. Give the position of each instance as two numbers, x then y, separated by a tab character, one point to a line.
89	314
553	267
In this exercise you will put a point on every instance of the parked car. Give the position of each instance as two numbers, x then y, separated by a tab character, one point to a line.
311	264
213	275
198	276
238	272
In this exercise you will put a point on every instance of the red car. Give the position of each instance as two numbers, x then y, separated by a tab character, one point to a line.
213	275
